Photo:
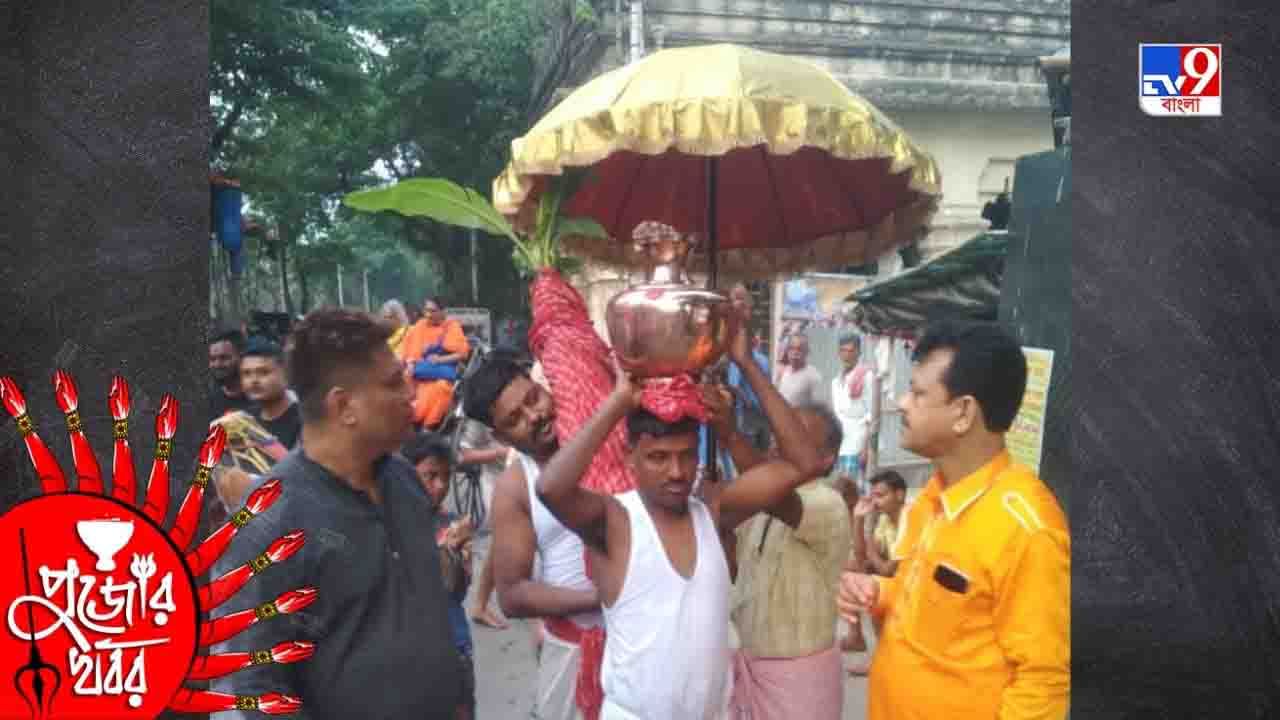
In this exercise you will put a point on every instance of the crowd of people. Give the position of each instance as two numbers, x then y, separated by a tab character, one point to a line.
680	598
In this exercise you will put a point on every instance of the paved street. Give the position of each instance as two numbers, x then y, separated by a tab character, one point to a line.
505	671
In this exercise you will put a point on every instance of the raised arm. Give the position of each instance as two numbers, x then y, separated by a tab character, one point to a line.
773	489
794	443
722	421
478	447
514	548
581	510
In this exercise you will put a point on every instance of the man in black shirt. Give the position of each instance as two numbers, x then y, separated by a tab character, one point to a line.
224	365
383	645
262	377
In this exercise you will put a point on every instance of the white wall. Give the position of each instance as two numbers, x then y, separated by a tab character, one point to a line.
967	146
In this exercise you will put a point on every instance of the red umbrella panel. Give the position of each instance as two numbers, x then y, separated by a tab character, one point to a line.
774	213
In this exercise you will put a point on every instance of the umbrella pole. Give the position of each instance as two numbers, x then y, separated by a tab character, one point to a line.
713	241
713	248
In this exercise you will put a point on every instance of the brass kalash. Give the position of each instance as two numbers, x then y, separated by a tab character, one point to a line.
667	326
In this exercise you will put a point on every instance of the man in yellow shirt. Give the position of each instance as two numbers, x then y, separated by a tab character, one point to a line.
978	614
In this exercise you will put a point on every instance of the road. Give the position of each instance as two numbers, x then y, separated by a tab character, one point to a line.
505	670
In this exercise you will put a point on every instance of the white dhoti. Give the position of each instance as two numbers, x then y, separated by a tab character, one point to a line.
557	683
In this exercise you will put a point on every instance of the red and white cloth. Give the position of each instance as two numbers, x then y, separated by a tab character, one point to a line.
578	366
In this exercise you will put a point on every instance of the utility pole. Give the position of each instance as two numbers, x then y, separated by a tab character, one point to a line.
637	30
475	272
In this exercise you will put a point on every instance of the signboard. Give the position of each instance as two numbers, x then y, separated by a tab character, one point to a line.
476	322
1026	438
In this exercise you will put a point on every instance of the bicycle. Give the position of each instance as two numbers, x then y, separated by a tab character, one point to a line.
466	487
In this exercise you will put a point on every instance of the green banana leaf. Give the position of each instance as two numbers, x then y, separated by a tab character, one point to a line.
449	203
435	198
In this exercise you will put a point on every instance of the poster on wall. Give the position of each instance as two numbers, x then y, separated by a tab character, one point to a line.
799	300
815	300
1026	438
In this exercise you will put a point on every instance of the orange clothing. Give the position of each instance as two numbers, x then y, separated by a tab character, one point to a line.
997	646
432	397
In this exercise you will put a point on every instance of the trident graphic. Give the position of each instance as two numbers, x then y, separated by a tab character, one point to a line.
31	678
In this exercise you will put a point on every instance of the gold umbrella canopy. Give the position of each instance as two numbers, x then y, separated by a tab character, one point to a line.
780	162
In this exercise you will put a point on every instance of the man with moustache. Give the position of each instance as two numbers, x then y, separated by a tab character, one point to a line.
379	620
977	616
502	395
658	552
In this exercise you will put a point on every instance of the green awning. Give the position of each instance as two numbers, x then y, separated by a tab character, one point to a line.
963	282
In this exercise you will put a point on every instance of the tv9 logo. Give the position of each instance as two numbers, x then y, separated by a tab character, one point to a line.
1180	79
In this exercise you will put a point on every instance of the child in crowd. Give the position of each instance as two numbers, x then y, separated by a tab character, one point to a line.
429	454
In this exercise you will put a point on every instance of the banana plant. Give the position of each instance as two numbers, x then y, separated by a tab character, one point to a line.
447	202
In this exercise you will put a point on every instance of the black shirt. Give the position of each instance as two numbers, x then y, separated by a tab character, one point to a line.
380	622
286	428
220	403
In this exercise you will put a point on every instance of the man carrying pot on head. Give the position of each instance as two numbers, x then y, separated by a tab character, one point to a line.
657	552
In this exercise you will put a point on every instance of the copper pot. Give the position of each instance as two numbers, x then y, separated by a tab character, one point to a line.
666	325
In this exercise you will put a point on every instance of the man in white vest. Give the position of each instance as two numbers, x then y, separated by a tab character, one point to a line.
656	552
538	565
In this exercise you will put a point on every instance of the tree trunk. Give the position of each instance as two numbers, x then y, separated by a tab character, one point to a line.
251	277
237	302
302	284
282	256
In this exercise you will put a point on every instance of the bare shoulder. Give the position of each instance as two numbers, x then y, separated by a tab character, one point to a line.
510	487
617	528
616	552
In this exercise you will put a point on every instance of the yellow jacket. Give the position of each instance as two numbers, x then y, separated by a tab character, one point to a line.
978	616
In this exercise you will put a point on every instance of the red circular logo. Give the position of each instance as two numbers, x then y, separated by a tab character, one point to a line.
100	612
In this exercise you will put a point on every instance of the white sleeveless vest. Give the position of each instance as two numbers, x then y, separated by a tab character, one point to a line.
666	652
560	559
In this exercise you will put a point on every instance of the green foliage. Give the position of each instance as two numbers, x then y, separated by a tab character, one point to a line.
436	198
313	100
446	202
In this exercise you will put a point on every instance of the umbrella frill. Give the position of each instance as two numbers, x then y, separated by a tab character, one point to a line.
712	101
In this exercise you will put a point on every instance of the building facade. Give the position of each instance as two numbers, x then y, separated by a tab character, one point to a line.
961	77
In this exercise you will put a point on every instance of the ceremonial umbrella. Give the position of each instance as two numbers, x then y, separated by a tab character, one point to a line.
773	159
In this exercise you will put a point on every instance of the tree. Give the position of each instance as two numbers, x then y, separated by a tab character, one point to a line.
262	51
569	44
313	99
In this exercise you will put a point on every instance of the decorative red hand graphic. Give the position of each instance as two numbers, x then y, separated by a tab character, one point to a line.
124	484
51	478
207	667
218	591
204	556
219	629
157	504
184	527
88	473
205	701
